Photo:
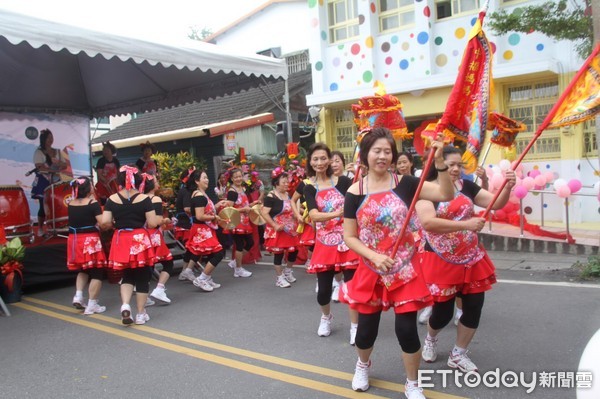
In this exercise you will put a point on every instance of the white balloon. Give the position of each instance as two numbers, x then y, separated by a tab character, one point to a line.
597	187
504	164
496	169
418	172
559	183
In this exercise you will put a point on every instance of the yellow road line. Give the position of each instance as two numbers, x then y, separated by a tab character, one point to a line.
246	353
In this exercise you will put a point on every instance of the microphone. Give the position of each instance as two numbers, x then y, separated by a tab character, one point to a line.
31	171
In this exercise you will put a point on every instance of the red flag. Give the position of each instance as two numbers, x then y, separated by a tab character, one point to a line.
581	100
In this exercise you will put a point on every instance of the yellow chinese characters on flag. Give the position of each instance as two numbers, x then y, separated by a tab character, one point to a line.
582	102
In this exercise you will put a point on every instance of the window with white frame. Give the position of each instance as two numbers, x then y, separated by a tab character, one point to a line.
396	14
342	19
449	8
530	103
590	144
344	132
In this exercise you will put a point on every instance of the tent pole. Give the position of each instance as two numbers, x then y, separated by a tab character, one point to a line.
288	116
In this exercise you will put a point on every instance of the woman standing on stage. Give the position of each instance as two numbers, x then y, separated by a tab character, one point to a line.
203	237
131	249
162	254
146	164
107	168
242	233
454	263
281	237
84	248
325	201
375	209
48	164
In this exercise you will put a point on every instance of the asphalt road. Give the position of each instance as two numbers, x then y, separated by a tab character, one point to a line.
250	339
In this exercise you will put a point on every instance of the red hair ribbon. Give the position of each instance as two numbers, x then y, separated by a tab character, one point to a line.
187	177
130	173
75	187
145	176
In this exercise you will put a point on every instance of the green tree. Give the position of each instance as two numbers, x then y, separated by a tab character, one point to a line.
171	166
198	33
554	19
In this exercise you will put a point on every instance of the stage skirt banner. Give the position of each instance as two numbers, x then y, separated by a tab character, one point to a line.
20	137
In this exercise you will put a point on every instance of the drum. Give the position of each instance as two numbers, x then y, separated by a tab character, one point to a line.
56	204
14	212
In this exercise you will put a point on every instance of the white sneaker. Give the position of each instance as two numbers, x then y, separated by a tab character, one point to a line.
95	308
429	353
425	315
413	392
141	318
149	302
160	294
325	326
203	284
187	274
282	282
335	294
457	316
78	302
241	272
353	334
212	283
289	275
461	362
126	314
232	264
360	381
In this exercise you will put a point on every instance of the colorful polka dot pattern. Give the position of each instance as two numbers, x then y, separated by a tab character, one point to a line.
420	50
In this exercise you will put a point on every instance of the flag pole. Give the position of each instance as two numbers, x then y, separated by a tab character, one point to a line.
544	125
485	154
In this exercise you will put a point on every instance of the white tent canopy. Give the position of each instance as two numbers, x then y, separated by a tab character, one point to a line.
51	67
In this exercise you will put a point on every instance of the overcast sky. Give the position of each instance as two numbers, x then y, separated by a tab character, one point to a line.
165	21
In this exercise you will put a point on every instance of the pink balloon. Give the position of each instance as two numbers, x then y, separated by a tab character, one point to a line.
534	173
497	180
574	185
563	191
540	180
513	199
519	173
521	192
528	183
549	177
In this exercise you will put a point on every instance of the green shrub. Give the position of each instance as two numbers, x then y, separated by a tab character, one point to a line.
591	269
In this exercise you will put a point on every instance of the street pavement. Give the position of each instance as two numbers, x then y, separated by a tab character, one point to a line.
250	339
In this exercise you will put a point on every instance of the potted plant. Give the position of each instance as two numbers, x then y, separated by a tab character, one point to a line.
11	274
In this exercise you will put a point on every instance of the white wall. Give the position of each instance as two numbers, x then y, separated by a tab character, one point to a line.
279	25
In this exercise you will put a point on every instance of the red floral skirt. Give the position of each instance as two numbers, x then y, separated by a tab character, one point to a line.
161	251
131	249
278	242
367	294
307	237
84	251
203	240
181	234
445	279
326	257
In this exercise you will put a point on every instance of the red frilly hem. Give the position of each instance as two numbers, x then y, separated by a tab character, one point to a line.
446	279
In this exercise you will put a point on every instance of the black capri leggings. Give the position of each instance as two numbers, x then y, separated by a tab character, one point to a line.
95	273
278	258
138	277
243	241
325	279
213	259
405	326
167	266
443	312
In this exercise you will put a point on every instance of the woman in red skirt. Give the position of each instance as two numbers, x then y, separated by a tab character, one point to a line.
374	212
281	237
131	251
305	229
203	234
162	254
84	248
454	263
325	201
242	233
